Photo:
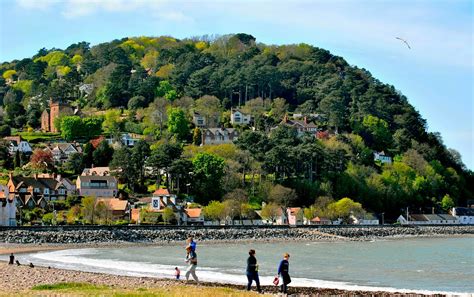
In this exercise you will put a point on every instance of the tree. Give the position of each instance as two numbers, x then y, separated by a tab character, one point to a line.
208	172
137	102
168	215
197	136
162	158
178	123
88	209
5	130
75	163
102	155
447	203
282	196
279	109
112	121
214	211
210	108
271	212
42	160
88	159
344	208
5	159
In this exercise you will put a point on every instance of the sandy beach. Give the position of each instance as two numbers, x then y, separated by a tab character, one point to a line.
21	279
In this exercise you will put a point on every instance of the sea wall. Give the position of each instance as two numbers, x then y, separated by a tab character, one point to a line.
58	235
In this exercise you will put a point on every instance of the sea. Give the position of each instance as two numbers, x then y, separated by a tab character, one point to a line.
418	265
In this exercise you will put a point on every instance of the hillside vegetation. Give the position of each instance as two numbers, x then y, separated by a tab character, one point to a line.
152	85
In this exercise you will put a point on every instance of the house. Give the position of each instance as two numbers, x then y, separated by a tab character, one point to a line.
219	135
119	209
16	143
320	221
237	117
100	171
427	219
56	109
295	216
365	219
199	120
465	215
36	191
382	158
160	200
97	186
194	216
63	150
301	126
7	208
126	139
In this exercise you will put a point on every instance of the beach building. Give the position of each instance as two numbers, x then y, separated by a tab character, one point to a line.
157	203
7	208
318	221
97	186
427	219
295	216
365	219
116	209
465	215
194	216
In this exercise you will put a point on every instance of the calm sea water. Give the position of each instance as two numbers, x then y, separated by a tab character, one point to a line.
420	265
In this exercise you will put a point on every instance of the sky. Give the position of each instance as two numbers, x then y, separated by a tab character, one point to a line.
436	74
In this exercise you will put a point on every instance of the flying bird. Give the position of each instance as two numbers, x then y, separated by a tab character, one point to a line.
404	41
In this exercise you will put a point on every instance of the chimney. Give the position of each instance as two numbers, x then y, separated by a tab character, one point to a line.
58	177
10	175
285	119
35	175
305	119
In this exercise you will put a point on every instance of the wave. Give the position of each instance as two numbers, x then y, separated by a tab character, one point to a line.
82	260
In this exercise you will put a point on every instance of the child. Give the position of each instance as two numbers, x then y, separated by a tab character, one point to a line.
177	272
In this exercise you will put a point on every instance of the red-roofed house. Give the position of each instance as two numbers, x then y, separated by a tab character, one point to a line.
194	216
119	209
295	216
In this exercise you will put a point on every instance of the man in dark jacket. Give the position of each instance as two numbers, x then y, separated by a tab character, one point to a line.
252	271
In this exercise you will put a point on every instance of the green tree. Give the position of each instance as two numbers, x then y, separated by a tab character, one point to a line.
88	209
447	203
282	196
102	155
75	163
271	212
197	136
178	124
208	173
168	215
214	211
344	208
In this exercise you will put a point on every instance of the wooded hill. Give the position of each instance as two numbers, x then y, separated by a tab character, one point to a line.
147	74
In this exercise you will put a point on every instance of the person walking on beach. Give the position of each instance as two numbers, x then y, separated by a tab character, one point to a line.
191	259
252	271
190	242
12	259
177	273
284	273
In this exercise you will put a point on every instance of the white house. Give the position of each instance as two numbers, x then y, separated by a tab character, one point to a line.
199	120
366	219
239	118
382	158
126	139
465	215
16	143
7	208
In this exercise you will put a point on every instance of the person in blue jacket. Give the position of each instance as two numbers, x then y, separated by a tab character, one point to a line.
284	273
191	243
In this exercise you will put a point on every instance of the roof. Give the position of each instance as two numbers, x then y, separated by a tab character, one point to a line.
447	217
193	212
294	210
88	178
318	219
102	171
114	203
220	130
62	146
418	217
432	217
161	192
39	182
96	141
464	211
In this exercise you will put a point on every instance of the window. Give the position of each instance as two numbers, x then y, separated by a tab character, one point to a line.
46	191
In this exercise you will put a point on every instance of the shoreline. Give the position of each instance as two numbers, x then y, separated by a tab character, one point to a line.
54	275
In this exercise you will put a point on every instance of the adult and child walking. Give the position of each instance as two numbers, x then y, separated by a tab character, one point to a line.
282	276
283	273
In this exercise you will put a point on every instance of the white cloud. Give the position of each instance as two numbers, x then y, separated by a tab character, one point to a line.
37	4
80	8
174	16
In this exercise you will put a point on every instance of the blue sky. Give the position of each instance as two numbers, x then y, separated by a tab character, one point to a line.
436	74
